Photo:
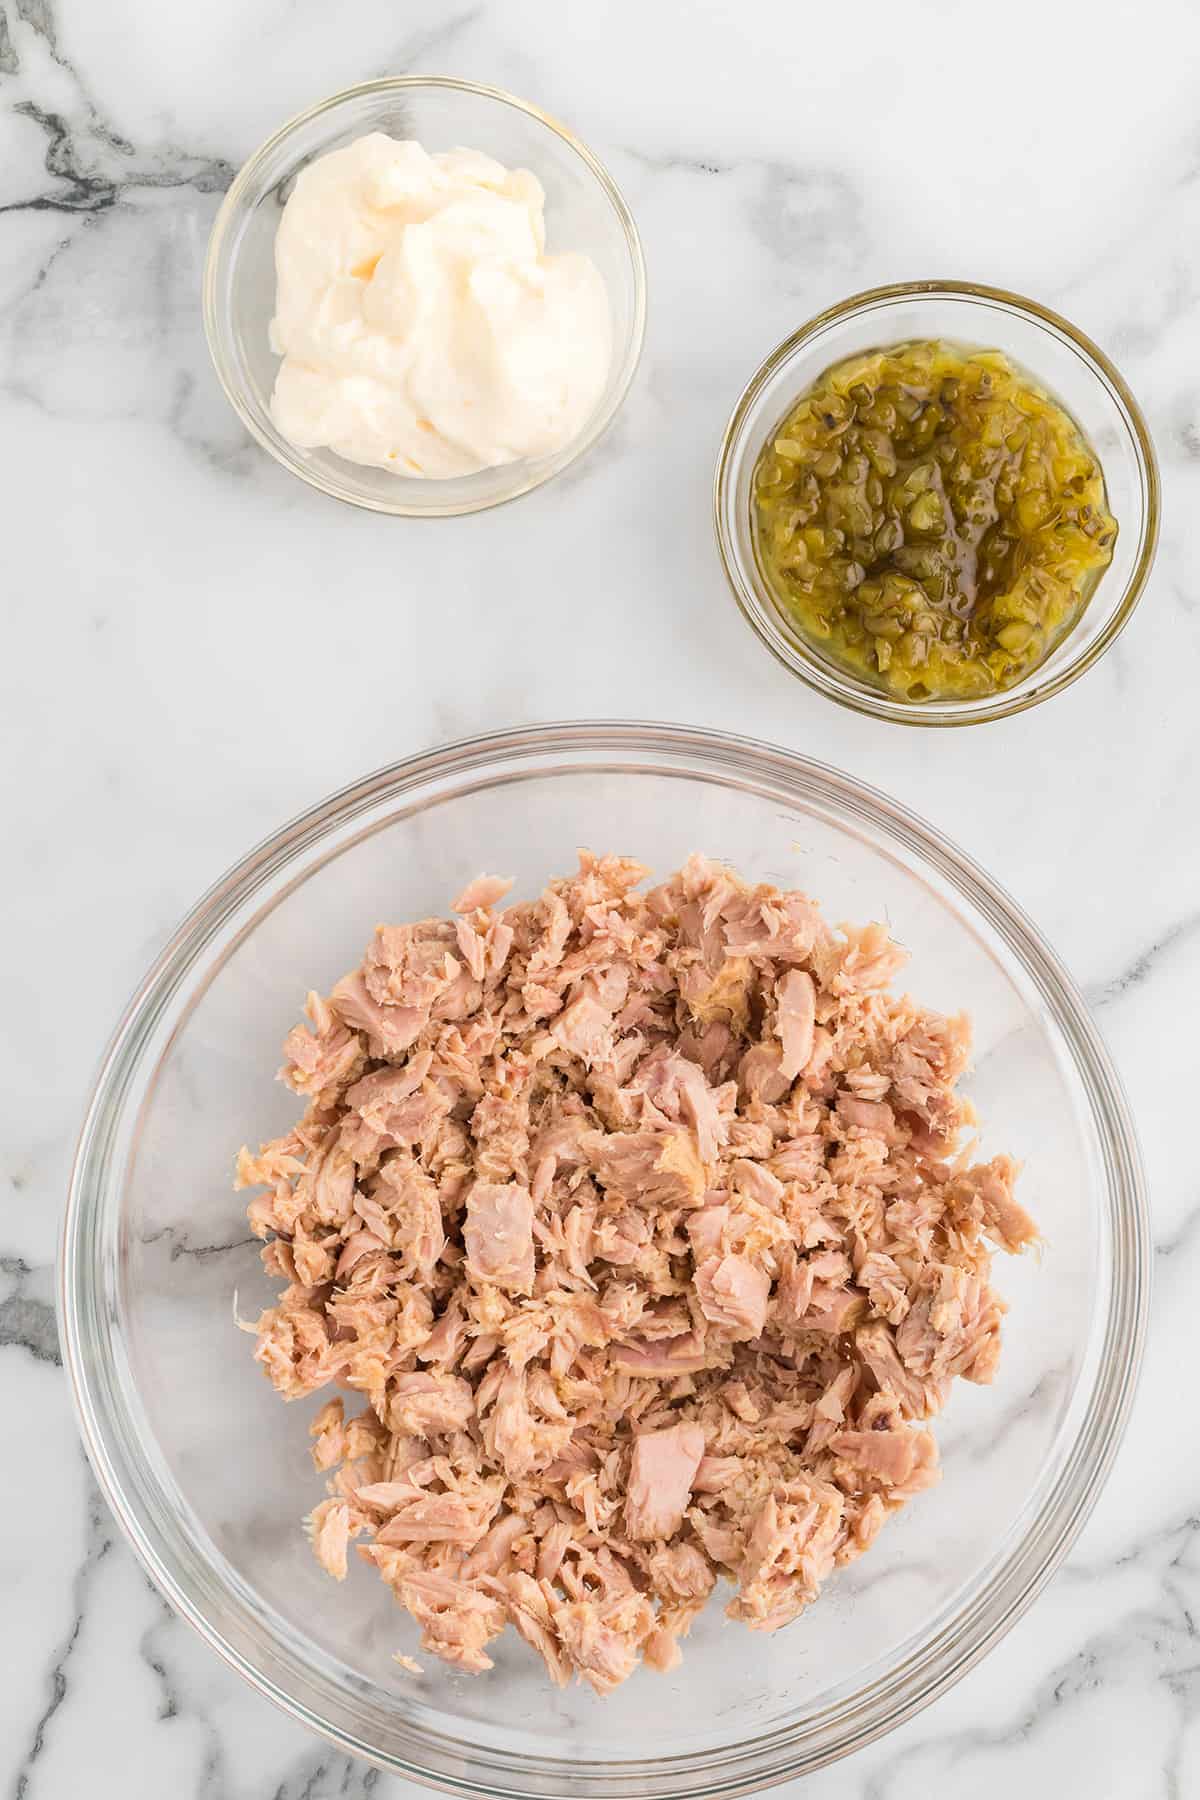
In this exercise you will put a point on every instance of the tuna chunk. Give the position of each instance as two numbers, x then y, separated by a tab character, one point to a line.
492	1552
890	1457
682	1572
761	1076
678	1089
789	1553
390	1029
660	1480
649	1168
498	1235
683	1355
330	1525
320	1062
877	1346
706	1231
733	1295
603	1656
533	1609
485	890
757	1183
354	1248
875	1116
585	1028
1004	1220
832	1309
796	1003
716	1473
432	1519
456	1620
430	1405
720	994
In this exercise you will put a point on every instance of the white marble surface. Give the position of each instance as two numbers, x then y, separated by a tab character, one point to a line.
168	593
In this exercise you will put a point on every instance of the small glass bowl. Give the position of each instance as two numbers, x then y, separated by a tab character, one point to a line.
584	212
1060	359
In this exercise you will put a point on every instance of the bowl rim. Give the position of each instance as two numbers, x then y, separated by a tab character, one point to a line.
537	472
786	1751
793	653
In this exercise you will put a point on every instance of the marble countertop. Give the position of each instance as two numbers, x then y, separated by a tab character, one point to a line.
166	585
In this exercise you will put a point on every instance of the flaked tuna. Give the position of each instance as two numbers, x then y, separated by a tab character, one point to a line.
651	1169
733	1295
484	891
636	1226
498	1236
661	1473
795	1002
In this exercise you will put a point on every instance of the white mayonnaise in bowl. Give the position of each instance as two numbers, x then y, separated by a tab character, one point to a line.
585	216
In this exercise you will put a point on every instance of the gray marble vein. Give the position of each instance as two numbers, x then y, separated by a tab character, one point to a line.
329	1777
80	145
1183	1237
99	1544
178	1244
1156	1640
427	44
26	1316
1179	937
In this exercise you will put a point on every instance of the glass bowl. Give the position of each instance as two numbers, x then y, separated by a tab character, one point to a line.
584	212
209	1473
1061	359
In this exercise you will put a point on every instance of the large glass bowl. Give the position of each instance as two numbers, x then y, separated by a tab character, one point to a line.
209	1473
1062	360
584	212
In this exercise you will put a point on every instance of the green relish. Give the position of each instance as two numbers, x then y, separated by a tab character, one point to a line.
931	520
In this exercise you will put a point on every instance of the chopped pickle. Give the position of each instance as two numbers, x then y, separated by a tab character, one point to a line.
932	520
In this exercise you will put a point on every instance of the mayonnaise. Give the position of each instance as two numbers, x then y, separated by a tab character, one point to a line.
422	326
